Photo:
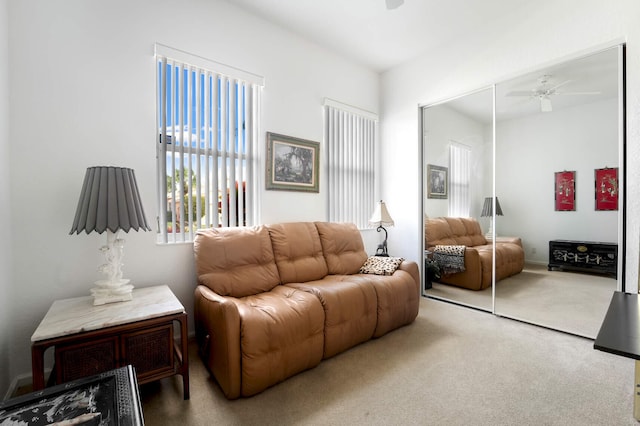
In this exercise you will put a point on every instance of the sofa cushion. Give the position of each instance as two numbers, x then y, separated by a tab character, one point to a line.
282	333
342	247
398	297
235	262
297	251
453	231
350	310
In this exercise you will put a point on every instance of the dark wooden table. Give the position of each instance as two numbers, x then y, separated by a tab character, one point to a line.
620	334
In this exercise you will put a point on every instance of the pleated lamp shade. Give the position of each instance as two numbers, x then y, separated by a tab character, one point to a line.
109	200
487	208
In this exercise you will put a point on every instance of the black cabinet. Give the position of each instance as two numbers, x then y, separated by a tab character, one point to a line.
585	256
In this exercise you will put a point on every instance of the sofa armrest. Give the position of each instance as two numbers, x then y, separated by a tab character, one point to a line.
217	324
473	275
412	269
511	240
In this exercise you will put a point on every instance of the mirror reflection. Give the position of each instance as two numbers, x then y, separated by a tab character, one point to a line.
557	177
458	176
555	219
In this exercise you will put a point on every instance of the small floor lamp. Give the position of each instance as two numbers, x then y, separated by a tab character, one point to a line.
379	218
487	211
110	201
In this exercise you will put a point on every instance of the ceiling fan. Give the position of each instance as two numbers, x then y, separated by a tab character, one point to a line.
545	90
394	4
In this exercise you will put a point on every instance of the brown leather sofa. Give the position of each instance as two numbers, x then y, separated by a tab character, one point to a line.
478	251
275	300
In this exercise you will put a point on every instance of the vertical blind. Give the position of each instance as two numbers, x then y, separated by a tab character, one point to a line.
350	136
207	127
459	180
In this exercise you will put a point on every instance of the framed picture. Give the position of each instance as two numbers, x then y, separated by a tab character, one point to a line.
606	191
292	163
437	182
565	191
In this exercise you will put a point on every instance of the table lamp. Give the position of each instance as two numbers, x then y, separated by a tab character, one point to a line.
379	218
110	201
487	211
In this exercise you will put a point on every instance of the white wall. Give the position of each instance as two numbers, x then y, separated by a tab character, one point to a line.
528	153
83	94
537	34
5	212
443	126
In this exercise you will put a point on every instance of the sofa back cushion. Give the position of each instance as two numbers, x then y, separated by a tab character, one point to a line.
298	252
235	262
464	231
342	247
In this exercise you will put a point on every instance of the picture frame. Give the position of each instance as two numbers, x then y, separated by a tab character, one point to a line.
565	191
606	189
293	164
437	182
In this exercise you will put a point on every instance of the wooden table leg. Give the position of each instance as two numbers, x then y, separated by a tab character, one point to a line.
184	337
37	366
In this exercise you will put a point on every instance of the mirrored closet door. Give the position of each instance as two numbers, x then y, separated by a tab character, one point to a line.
559	168
457	178
529	172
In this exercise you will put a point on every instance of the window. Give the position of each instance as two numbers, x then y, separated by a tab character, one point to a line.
350	135
459	180
207	128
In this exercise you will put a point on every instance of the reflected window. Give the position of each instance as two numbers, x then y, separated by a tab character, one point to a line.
459	181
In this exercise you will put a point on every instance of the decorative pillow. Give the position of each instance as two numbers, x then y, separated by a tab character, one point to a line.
380	265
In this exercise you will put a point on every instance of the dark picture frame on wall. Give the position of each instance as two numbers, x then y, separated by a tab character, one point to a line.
565	191
437	182
606	188
292	164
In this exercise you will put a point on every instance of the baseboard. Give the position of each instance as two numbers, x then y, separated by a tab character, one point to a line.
20	381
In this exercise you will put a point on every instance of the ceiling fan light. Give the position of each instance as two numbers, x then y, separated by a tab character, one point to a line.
394	4
545	104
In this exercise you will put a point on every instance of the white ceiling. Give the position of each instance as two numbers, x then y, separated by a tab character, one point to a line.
587	79
365	31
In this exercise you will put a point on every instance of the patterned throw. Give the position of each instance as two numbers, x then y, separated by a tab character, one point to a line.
379	265
450	258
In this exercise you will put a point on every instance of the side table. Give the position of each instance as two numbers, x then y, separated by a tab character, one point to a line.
620	335
92	339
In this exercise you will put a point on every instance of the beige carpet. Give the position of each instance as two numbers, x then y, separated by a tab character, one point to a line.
452	366
567	301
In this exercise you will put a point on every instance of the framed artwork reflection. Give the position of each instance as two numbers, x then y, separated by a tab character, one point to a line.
292	164
565	191
606	188
437	182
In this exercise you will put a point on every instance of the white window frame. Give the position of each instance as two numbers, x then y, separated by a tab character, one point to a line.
208	120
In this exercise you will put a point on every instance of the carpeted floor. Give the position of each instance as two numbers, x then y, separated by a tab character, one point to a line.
568	301
452	366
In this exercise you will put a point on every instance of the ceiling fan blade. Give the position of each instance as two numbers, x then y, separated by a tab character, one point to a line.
577	93
520	93
394	4
554	88
545	104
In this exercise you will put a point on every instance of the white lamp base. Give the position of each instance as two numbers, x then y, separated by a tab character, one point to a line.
489	234
111	292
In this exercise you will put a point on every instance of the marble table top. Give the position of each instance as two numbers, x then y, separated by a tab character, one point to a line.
69	316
